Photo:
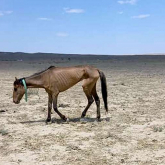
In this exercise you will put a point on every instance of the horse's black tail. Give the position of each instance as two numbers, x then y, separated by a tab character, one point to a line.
104	89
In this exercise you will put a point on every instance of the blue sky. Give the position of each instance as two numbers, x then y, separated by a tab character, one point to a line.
83	26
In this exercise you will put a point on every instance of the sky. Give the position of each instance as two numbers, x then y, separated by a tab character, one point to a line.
106	27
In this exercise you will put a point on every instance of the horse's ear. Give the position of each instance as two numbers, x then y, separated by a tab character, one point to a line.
16	78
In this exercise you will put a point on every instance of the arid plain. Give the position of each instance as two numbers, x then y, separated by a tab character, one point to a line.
133	133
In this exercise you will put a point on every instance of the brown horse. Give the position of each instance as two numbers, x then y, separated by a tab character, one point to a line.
58	79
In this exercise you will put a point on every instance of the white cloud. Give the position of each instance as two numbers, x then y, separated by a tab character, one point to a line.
45	19
132	2
77	11
61	34
2	13
141	16
120	12
8	12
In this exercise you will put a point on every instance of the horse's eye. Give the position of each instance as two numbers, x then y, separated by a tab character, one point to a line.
15	89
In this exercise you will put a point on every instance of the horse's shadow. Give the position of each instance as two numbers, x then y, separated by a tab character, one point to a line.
74	120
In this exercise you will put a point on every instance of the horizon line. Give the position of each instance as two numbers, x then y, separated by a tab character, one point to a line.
86	54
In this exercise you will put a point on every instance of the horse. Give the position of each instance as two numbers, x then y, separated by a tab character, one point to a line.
58	79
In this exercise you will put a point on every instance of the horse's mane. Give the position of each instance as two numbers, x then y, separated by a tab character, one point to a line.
35	74
19	81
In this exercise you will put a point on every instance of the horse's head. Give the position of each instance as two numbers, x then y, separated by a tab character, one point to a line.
18	91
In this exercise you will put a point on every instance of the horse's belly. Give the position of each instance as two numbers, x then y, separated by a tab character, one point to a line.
66	82
64	87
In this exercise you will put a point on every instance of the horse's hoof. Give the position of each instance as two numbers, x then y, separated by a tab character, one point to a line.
98	120
67	119
48	120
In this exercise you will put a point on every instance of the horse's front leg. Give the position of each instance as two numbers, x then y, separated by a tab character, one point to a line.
49	107
56	109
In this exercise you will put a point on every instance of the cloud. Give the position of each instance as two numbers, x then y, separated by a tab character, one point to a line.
141	16
8	12
120	12
61	34
2	13
77	11
132	2
45	19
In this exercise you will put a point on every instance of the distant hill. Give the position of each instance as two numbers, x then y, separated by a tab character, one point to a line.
21	56
17	56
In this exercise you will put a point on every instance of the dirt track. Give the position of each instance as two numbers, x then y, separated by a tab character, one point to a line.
135	133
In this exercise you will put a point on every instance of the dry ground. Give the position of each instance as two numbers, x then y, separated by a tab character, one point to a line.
135	133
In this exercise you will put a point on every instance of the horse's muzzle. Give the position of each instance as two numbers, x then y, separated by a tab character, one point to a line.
16	102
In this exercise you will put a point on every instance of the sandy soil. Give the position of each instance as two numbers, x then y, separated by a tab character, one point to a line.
135	133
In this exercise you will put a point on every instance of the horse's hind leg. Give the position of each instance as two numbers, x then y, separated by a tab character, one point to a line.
97	101
56	109
90	101
87	86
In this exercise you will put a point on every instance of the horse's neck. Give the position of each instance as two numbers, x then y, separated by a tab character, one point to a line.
34	81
